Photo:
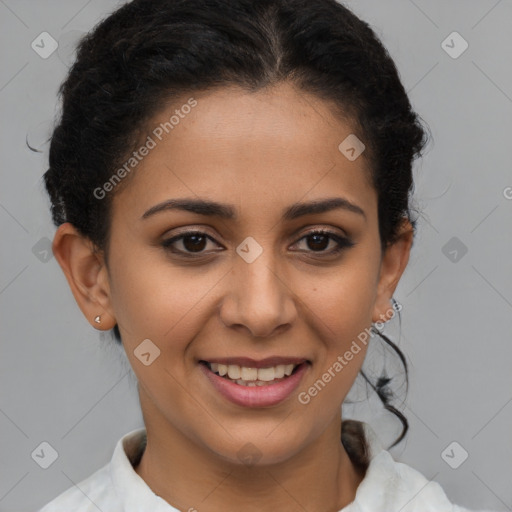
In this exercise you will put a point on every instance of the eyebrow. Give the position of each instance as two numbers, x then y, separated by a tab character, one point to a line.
227	211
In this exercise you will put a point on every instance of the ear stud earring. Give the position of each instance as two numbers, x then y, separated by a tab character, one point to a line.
97	319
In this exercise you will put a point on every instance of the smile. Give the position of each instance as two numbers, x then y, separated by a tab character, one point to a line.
246	376
252	386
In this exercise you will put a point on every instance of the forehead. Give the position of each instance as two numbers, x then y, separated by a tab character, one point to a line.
271	147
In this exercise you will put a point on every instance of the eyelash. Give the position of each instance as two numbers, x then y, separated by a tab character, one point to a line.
343	243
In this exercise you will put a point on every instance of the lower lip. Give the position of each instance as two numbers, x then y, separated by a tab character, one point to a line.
256	396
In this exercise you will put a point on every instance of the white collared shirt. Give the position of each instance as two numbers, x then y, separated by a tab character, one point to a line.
388	486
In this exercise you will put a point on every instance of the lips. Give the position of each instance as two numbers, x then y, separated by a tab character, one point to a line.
264	383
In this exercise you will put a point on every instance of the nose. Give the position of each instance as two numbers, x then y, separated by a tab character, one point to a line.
260	299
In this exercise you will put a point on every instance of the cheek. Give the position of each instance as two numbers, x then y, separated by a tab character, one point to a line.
156	300
342	301
165	304
341	308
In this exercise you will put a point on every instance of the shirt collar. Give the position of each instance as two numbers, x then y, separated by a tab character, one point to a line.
134	494
386	484
392	485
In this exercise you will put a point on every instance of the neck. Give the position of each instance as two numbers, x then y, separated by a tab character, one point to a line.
321	477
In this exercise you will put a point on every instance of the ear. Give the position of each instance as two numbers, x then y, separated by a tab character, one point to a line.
86	273
393	263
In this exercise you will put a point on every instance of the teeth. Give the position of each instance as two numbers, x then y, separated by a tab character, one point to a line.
250	383
247	376
248	373
279	371
288	369
234	371
266	374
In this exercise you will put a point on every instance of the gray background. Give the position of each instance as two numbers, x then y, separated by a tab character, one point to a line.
62	383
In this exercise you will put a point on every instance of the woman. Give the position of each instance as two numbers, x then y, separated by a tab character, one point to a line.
230	181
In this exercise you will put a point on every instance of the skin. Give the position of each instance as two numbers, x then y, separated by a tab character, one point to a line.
259	152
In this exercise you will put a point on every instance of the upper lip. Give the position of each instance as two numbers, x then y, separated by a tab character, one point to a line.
253	363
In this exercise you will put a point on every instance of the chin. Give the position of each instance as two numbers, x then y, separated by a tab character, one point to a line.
259	449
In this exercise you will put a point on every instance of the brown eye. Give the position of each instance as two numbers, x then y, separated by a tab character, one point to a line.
318	241
192	242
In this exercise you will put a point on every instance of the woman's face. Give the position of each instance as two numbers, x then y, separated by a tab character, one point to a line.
255	283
